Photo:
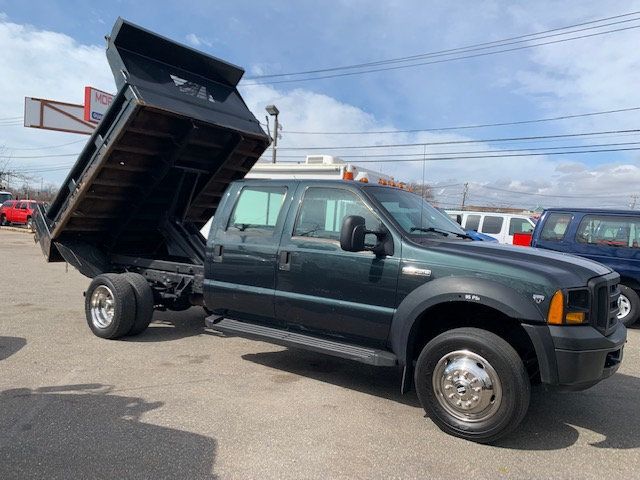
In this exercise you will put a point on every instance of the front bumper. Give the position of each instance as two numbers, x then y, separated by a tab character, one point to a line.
576	358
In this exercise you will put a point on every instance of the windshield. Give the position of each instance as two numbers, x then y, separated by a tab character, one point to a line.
413	214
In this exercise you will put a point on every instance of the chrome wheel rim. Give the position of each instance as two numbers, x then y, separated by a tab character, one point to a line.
102	306
467	386
624	306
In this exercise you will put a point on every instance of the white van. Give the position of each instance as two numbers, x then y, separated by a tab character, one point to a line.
500	226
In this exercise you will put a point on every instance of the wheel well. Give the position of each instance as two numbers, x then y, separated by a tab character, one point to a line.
631	283
447	316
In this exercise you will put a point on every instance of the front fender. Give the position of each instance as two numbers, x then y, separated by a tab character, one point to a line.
456	289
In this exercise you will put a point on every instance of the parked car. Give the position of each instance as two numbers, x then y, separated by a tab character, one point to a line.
472	234
611	237
500	226
4	196
17	211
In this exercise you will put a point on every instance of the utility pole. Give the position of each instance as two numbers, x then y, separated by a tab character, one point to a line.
634	199
273	111
465	191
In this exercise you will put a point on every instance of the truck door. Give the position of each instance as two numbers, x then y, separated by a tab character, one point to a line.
242	252
323	289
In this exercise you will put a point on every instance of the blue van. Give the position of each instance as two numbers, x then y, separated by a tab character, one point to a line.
611	237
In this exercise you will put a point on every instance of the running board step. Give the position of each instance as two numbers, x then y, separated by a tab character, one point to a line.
379	358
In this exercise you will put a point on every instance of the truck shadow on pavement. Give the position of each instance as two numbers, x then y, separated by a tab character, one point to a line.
10	345
382	382
170	325
608	412
83	431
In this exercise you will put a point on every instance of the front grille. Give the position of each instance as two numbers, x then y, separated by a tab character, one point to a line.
604	308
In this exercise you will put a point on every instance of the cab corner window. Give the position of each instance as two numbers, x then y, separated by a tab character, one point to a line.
555	227
257	208
323	210
492	224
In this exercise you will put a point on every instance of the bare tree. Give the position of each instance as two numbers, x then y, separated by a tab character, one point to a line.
424	190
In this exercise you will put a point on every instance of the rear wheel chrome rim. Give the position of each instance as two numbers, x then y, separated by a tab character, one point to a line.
102	306
467	386
624	307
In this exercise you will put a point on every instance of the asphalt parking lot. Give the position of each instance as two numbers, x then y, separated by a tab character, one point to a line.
182	402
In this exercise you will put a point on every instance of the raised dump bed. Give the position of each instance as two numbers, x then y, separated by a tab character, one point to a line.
153	172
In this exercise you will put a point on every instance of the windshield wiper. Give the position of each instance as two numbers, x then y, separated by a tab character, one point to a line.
439	230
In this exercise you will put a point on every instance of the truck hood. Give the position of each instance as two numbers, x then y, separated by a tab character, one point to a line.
561	269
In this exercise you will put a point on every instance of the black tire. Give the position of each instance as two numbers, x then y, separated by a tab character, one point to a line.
634	302
504	411
144	302
3	221
123	306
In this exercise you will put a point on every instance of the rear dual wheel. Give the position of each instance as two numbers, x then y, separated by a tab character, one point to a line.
117	305
473	384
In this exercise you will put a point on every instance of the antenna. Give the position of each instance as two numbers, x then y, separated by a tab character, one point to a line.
424	165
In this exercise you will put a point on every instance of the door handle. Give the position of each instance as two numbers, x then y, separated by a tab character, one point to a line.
284	262
217	253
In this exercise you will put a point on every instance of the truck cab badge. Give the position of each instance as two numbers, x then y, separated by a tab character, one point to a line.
538	298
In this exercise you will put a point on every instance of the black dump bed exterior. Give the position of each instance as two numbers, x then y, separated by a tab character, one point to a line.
153	172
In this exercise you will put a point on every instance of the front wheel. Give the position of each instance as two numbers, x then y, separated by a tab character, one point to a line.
628	305
472	384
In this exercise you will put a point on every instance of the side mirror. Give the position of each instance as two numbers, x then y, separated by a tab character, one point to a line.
352	234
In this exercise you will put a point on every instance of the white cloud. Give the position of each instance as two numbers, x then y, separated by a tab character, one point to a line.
196	41
39	63
193	39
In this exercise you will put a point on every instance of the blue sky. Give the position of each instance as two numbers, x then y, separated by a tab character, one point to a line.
586	75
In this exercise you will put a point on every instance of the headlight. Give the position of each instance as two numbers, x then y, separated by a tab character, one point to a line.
569	309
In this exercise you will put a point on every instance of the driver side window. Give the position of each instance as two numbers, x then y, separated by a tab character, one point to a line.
323	210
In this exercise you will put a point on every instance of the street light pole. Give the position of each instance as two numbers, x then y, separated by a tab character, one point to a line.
273	111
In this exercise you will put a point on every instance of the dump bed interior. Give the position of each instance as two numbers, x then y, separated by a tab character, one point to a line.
152	174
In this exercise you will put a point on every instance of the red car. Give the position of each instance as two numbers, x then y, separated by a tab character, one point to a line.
17	211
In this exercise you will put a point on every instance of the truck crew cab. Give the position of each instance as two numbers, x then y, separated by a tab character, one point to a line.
360	271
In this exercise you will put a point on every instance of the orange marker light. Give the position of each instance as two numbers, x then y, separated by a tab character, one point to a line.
575	318
556	309
348	173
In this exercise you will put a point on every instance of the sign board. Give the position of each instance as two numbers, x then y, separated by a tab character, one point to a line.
96	103
54	115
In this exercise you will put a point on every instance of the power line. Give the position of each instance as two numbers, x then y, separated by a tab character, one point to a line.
12	157
448	51
458	142
548	195
496	156
464	57
467	127
526	149
47	146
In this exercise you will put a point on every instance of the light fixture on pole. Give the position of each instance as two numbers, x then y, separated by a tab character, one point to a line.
273	111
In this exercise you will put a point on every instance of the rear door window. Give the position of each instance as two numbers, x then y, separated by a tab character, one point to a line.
519	225
492	224
555	227
614	231
473	222
257	208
